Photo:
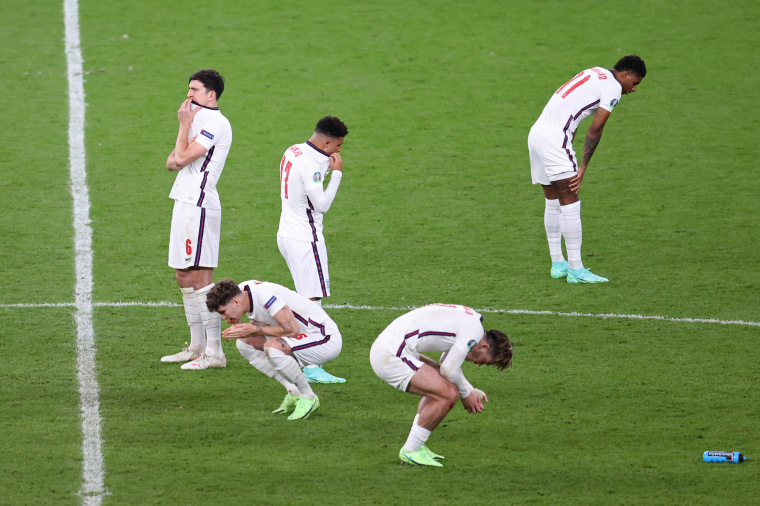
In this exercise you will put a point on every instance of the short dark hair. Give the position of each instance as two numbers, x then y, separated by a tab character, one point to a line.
331	127
500	348
632	63
222	293
211	79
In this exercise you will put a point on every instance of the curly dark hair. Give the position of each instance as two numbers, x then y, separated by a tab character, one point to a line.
211	79
222	293
331	127
500	347
632	63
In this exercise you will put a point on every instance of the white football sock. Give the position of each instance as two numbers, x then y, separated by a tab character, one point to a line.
573	234
212	322
417	437
288	367
553	226
259	360
194	321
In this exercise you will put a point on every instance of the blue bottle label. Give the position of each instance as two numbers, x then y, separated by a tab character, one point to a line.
733	457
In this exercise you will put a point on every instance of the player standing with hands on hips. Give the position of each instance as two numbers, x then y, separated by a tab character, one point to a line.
303	169
200	151
553	164
456	331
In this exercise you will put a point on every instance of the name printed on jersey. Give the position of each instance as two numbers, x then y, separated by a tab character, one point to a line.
207	134
600	73
296	150
466	309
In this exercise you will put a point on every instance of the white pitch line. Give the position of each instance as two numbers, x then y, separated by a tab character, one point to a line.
561	313
89	402
409	308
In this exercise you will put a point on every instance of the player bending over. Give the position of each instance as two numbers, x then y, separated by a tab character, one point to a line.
458	333
553	164
286	332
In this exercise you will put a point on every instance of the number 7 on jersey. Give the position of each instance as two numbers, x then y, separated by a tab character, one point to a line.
285	174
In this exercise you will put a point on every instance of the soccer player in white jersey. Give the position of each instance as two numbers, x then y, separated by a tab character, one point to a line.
198	157
553	164
286	332
456	331
303	169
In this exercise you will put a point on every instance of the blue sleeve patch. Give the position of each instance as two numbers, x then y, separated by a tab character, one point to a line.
471	344
207	134
613	102
270	302
317	177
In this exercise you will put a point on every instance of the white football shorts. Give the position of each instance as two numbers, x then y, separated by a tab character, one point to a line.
315	348
194	238
393	368
550	162
307	262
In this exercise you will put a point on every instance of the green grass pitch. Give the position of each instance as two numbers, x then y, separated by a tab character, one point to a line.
436	206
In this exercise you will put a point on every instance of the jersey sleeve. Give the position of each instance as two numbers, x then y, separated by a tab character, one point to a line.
451	369
311	175
269	301
323	199
209	131
468	336
610	96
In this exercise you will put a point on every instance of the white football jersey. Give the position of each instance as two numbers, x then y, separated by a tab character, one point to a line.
448	328
576	100
268	298
304	200
196	183
441	327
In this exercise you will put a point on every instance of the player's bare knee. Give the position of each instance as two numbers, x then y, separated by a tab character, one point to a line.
550	193
446	393
183	278
563	192
277	343
452	394
243	347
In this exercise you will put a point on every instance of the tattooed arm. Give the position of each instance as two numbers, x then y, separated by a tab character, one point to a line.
593	136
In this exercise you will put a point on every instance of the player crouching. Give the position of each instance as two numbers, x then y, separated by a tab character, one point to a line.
458	333
286	332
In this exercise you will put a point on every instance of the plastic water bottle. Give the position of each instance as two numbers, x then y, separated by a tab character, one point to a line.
732	457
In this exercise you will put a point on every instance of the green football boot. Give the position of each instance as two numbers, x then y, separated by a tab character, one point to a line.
431	453
288	404
304	408
418	458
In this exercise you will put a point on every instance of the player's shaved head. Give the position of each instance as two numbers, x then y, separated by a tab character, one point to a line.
222	294
632	63
332	127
